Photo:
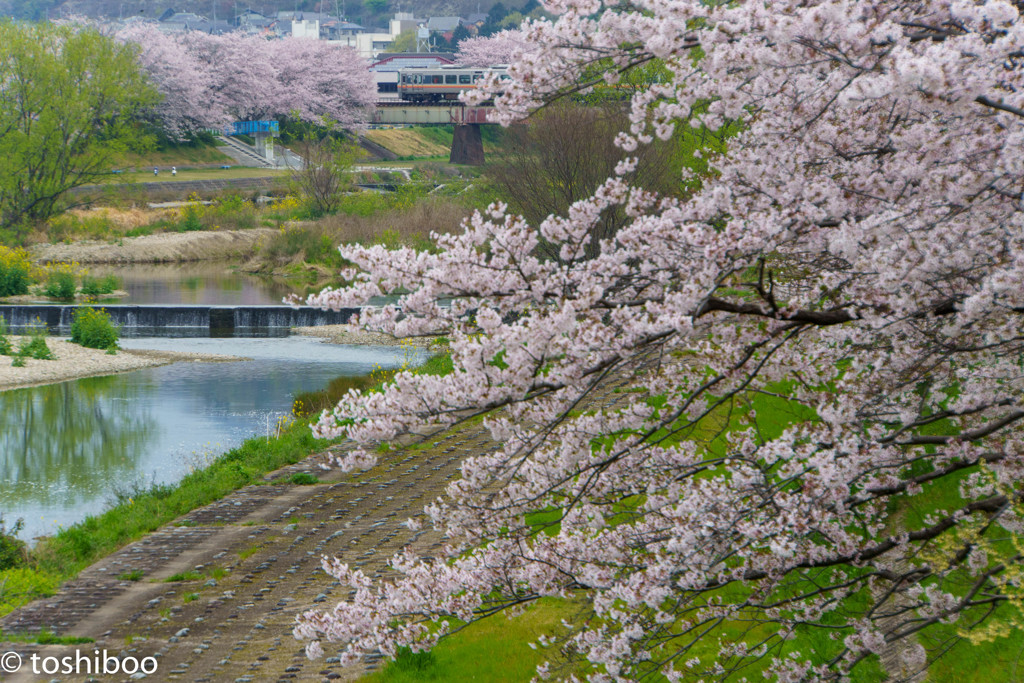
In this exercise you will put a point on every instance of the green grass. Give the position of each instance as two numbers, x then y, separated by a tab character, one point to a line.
177	155
495	649
43	637
197	174
468	653
183	576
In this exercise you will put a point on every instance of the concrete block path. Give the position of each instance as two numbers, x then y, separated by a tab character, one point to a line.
259	552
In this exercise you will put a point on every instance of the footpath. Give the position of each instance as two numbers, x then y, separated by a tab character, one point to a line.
214	595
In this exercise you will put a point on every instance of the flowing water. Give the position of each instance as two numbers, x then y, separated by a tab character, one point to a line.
67	449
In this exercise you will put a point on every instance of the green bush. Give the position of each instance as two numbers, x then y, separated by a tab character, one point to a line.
5	343
303	479
92	286
36	348
60	285
15	271
33	345
191	218
12	549
91	327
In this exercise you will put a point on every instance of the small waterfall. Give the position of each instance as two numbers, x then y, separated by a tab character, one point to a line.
181	321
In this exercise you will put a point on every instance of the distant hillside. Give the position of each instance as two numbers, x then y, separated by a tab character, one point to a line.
369	13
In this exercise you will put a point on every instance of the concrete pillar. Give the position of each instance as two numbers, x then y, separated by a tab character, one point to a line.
265	144
467	145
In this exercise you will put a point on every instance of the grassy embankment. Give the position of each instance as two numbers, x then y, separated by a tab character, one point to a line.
196	174
61	556
203	152
429	142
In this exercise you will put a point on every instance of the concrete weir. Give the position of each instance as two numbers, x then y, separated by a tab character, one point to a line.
182	321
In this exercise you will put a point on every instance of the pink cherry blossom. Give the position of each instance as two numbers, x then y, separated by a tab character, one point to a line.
500	48
856	254
208	81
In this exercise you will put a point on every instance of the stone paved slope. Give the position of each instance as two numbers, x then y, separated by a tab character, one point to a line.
258	553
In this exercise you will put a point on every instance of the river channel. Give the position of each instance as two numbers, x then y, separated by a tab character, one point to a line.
68	448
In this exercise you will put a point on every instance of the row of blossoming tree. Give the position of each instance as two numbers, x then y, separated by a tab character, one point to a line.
207	81
854	260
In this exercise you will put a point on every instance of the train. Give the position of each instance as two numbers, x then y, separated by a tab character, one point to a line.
442	83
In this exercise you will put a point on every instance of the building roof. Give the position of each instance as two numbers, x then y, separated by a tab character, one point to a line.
443	23
403	60
183	18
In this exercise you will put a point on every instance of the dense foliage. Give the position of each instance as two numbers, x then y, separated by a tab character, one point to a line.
819	351
15	271
68	108
91	327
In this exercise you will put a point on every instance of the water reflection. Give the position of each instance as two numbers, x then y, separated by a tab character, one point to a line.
65	448
204	283
59	440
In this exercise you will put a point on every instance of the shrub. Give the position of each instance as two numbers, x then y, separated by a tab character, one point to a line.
92	286
91	327
12	549
303	479
5	342
60	284
15	271
36	348
191	218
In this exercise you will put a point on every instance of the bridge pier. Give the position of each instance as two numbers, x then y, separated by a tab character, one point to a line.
467	145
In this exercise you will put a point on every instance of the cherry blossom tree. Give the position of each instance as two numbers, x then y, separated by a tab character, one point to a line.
184	81
817	346
208	81
322	82
499	48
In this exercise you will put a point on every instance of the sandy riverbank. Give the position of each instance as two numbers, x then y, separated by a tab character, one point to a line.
164	247
74	362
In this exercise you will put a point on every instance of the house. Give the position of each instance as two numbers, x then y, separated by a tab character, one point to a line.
443	24
252	21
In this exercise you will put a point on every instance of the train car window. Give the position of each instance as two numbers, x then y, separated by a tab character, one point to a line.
450	79
477	77
419	78
438	79
464	79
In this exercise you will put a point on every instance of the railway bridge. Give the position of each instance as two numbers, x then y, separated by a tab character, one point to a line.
467	143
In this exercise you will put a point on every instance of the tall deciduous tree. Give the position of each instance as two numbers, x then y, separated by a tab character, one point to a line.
820	347
68	101
325	173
